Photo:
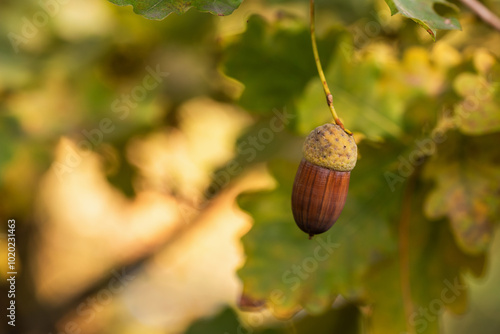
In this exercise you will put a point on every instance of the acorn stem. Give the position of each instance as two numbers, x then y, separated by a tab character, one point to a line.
329	96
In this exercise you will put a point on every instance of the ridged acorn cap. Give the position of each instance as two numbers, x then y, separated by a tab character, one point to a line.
329	146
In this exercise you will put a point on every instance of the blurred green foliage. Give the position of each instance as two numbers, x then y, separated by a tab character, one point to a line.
424	198
154	9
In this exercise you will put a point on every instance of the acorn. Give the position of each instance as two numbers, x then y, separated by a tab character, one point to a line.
322	180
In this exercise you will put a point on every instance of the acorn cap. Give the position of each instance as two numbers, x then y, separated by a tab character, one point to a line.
331	147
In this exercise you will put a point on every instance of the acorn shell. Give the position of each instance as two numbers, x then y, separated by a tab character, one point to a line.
318	197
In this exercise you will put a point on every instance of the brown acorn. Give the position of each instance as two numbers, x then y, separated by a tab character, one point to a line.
322	180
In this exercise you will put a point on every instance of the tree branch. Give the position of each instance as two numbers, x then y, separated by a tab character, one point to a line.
484	13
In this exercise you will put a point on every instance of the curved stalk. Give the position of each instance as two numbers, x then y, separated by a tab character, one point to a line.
329	96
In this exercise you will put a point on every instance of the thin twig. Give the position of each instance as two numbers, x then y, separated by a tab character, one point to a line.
329	96
484	13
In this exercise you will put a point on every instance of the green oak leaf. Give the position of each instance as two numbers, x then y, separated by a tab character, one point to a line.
159	9
422	12
467	176
290	271
360	104
483	304
433	273
275	62
479	111
437	265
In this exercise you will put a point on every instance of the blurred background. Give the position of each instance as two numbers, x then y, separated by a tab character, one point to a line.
148	165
